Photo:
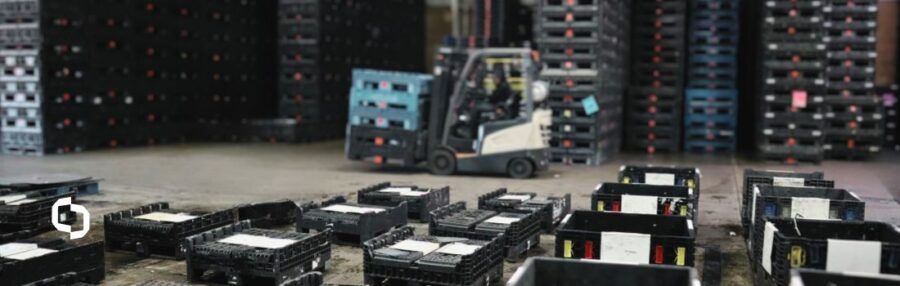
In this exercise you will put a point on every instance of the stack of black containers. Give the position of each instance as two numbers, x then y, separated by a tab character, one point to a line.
320	42
792	81
654	104
892	118
854	114
584	48
106	74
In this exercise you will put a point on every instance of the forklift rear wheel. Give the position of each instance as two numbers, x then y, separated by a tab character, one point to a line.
443	163
520	168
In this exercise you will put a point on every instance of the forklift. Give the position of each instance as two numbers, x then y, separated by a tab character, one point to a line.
487	113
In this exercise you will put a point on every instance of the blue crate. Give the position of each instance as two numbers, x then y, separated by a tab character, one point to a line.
697	49
715	94
384	118
709	146
723	84
387	100
731	39
413	84
731	26
709	14
711	73
722	121
715	59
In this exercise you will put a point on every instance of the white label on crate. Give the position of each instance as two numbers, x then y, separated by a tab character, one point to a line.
30	254
15	247
788	182
639	204
502	220
659	179
810	208
424	247
853	256
753	205
395	190
521	198
623	247
457	248
257	241
21	202
166	217
11	198
351	209
414	193
10	61
768	239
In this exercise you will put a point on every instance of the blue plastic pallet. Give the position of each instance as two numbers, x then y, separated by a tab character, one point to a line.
386	100
713	39
718	27
714	14
714	60
711	73
711	93
392	82
701	49
384	118
704	118
712	83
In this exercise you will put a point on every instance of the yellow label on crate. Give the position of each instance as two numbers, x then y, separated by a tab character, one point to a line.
567	249
600	206
690	184
797	256
626	180
679	259
683	211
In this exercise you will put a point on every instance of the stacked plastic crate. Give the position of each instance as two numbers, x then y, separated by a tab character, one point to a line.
711	94
854	114
315	65
584	47
793	84
655	98
891	118
388	117
31	122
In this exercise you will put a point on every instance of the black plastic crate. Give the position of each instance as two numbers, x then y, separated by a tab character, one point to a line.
794	202
253	256
629	237
539	271
553	208
385	146
419	201
156	229
63	183
812	277
269	214
646	199
519	230
661	175
351	223
401	257
31	210
872	247
53	262
777	178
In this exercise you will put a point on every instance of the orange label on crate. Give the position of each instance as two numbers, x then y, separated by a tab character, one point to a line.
798	99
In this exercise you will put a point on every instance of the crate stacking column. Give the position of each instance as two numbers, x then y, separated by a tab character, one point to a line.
710	109
654	105
793	81
583	46
892	118
854	114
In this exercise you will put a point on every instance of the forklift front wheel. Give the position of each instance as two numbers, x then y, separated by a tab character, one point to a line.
443	163
520	168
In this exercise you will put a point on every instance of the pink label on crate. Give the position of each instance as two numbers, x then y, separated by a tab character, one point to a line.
890	99
799	99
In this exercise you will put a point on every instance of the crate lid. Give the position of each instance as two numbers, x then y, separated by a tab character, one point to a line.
425	247
166	217
458	248
257	241
351	209
23	251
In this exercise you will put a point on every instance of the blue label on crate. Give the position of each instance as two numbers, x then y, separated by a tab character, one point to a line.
590	105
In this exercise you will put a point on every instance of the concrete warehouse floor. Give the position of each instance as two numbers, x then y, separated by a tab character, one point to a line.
219	176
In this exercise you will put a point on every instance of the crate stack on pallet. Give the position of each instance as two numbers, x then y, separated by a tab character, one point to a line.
711	95
655	98
503	22
389	114
315	64
792	81
854	114
584	47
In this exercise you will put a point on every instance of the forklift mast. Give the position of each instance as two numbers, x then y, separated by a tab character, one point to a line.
449	63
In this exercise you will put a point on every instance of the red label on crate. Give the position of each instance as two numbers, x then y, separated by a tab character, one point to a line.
799	99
